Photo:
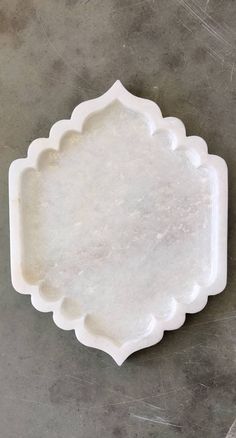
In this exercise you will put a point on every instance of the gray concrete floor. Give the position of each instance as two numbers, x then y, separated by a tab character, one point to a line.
53	55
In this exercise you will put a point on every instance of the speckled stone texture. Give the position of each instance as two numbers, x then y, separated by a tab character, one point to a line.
53	55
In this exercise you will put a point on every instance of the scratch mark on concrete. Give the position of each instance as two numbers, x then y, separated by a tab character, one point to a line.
158	420
10	148
195	13
125	402
214	33
215	320
185	26
221	60
80	379
232	430
224	27
216	55
154	406
132	400
204	386
183	351
206	5
232	72
26	400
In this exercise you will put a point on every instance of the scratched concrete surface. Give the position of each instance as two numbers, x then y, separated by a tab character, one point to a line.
53	55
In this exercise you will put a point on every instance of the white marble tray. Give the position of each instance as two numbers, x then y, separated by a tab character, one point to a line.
118	223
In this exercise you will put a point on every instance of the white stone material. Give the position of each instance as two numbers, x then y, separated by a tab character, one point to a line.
118	223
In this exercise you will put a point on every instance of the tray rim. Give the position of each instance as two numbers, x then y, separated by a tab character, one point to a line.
197	151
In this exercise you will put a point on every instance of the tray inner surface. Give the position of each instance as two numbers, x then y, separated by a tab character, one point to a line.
117	222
